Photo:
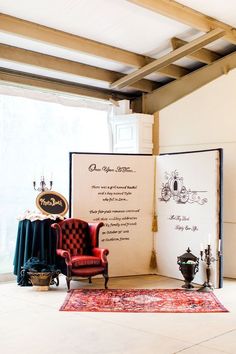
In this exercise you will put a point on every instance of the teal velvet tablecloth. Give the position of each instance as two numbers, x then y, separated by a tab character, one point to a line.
34	239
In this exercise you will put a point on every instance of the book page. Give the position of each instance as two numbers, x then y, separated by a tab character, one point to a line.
188	205
118	191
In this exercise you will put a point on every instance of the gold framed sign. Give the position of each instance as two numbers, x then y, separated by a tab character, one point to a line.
50	202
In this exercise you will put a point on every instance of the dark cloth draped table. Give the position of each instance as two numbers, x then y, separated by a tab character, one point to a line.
34	239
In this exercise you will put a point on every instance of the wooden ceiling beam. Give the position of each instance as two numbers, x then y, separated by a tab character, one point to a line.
33	31
188	16
173	71
28	80
175	90
203	55
49	62
169	58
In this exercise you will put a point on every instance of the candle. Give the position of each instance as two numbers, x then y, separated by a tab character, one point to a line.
219	245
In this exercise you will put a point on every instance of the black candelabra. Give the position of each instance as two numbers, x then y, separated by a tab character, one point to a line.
42	185
207	257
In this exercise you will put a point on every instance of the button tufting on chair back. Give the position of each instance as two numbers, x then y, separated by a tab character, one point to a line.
75	238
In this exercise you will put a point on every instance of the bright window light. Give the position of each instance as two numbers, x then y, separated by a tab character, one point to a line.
35	139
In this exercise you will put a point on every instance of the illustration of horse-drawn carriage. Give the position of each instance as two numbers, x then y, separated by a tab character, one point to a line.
174	188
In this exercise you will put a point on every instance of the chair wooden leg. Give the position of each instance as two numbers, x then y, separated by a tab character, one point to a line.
68	279
106	277
90	280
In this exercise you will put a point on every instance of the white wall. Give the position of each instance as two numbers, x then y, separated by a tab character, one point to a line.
206	119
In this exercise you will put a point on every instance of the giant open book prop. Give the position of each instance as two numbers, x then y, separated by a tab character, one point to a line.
123	191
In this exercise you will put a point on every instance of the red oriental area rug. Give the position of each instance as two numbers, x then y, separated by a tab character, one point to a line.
141	300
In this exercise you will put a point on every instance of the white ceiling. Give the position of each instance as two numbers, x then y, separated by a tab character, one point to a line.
114	22
224	11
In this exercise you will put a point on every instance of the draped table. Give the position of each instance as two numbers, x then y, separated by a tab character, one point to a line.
34	239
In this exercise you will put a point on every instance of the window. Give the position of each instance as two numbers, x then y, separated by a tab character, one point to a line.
35	139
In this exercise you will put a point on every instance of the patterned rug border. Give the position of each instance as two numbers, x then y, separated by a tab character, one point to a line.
221	308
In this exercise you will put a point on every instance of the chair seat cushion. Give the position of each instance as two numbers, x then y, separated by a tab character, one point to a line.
85	261
87	271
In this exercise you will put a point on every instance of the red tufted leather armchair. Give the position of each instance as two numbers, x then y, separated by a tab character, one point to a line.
78	252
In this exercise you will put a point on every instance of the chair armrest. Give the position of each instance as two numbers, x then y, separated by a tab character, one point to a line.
102	253
65	254
54	226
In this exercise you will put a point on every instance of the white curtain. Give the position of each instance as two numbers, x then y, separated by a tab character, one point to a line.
35	139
